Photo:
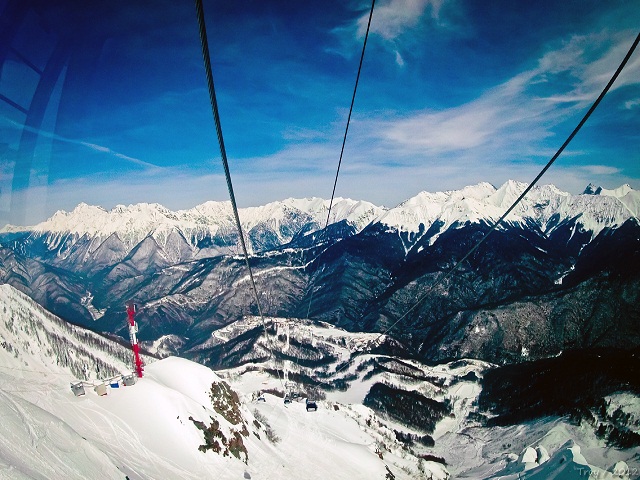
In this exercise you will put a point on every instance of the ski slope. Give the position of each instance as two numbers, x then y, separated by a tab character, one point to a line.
143	431
148	430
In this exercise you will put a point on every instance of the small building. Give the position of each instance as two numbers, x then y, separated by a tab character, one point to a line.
311	406
101	389
78	389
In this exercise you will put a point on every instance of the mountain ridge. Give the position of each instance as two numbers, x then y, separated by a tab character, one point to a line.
134	222
555	248
483	199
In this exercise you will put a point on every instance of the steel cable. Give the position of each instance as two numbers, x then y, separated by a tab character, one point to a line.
346	131
216	115
446	275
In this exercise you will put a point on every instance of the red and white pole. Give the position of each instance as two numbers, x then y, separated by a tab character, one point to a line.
133	329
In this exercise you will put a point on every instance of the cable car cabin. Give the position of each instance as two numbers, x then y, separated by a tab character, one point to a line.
128	380
77	389
287	399
114	384
101	389
311	406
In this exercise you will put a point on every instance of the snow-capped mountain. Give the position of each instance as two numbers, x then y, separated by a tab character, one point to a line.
183	420
544	207
561	272
206	225
597	209
625	194
92	237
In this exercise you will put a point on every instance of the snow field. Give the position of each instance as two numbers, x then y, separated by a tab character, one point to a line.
144	432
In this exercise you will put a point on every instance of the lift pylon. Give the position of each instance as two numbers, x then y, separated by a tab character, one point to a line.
133	329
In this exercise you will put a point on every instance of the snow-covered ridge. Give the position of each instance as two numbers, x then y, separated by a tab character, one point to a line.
37	341
179	421
147	217
545	206
541	449
135	222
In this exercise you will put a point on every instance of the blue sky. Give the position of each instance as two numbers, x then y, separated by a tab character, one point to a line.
451	93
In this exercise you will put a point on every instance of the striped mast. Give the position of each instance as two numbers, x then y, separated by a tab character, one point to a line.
133	329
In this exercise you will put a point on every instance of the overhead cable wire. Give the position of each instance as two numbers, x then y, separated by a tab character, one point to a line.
346	131
446	275
216	115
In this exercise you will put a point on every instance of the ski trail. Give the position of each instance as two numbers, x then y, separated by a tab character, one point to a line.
124	439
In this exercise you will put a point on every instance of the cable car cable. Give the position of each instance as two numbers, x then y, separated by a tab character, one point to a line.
346	131
443	277
214	107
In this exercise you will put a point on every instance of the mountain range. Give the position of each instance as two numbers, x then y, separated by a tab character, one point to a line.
561	272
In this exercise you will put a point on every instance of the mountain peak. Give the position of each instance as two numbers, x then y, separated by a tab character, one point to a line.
541	206
271	225
592	190
84	209
619	192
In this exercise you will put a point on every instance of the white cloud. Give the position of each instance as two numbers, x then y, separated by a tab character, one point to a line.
631	104
600	169
399	59
503	134
437	132
294	133
515	116
393	18
91	146
389	22
590	61
507	132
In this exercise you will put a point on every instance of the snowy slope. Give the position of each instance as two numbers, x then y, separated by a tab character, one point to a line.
144	431
150	430
35	340
470	449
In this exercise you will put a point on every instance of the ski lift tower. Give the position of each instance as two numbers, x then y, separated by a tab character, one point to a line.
133	329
